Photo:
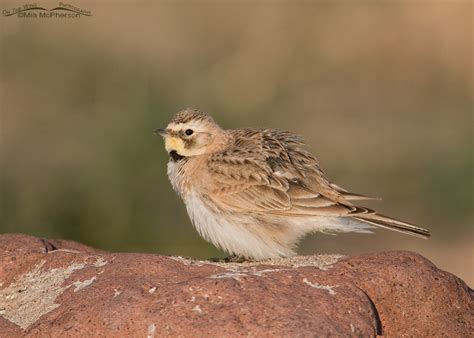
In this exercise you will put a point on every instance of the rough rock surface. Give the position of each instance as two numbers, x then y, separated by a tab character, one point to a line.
62	288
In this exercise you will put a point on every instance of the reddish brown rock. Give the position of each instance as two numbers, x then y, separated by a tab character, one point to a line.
63	288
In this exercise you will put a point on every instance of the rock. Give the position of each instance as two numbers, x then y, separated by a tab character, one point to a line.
63	288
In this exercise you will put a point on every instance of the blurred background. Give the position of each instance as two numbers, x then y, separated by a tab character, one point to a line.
381	91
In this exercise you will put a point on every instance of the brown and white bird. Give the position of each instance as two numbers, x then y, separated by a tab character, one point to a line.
256	192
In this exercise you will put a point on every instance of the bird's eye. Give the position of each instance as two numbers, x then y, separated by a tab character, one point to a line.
189	132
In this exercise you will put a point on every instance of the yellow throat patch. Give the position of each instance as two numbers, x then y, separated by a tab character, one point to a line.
174	143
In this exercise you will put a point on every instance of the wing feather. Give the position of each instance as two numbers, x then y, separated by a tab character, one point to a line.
267	171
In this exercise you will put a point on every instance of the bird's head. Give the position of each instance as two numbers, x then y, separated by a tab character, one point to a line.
190	133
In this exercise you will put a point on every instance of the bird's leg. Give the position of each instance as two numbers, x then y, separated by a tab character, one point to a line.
235	259
230	259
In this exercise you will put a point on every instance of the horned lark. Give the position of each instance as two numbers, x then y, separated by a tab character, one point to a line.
257	192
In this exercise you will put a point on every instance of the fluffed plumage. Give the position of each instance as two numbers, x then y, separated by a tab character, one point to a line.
256	192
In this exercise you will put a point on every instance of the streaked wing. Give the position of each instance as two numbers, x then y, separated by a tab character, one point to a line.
256	198
268	171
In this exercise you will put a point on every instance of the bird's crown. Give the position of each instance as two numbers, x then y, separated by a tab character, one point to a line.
190	114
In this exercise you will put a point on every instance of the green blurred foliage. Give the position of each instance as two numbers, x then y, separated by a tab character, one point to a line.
382	92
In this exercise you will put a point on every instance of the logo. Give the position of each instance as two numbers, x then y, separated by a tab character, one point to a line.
33	11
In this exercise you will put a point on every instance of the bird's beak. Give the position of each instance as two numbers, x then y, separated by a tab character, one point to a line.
161	132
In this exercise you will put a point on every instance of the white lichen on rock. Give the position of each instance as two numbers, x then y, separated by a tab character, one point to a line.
151	330
328	288
33	294
197	309
100	262
250	268
81	285
322	262
236	273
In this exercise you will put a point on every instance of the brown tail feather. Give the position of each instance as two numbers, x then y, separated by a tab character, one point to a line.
394	224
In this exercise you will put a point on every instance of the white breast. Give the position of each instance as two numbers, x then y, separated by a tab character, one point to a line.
174	178
231	233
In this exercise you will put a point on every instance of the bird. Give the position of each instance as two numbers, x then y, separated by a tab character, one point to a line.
255	193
